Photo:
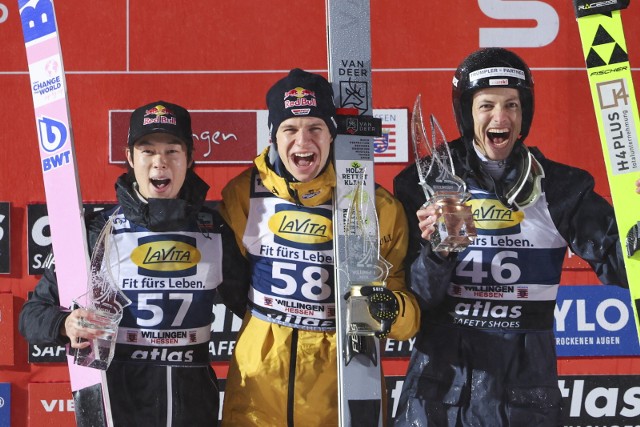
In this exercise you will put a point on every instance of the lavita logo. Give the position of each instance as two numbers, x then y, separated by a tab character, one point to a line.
545	16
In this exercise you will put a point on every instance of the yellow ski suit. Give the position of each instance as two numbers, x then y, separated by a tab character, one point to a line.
283	374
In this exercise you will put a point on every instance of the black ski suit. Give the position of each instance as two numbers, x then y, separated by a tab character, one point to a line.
485	354
160	374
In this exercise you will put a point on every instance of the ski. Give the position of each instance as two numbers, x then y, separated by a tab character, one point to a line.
355	236
614	101
62	190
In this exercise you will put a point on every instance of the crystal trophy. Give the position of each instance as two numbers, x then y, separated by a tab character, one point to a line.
455	228
105	303
364	265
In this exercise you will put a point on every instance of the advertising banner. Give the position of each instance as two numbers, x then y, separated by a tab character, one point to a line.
587	401
228	137
5	404
51	405
595	321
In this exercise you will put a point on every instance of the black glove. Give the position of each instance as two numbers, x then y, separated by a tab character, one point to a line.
383	306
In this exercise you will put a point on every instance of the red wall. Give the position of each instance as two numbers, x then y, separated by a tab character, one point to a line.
222	55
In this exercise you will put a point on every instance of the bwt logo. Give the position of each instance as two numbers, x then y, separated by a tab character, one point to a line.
53	135
38	19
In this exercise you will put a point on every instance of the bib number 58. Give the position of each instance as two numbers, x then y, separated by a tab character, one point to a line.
315	278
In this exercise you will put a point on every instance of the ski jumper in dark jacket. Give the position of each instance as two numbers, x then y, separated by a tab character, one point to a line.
485	354
160	374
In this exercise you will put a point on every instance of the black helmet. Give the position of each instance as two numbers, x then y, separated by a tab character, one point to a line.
491	67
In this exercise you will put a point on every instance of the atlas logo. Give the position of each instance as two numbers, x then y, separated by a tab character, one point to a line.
487	310
601	399
163	355
166	255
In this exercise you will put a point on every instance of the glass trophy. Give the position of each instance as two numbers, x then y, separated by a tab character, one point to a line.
364	265
105	303
455	228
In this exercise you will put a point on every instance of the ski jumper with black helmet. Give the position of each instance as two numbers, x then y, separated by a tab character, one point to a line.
485	353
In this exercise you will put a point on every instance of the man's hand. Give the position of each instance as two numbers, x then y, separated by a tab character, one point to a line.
75	328
427	217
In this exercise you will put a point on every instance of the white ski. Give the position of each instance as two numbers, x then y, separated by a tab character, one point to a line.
355	221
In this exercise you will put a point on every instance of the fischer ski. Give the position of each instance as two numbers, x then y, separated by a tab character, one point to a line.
62	191
356	243
614	101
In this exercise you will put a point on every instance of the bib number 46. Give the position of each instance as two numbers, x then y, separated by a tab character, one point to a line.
502	268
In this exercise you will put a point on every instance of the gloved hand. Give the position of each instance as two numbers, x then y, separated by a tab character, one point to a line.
383	306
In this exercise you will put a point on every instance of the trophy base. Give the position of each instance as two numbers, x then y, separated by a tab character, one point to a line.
454	244
360	322
100	353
